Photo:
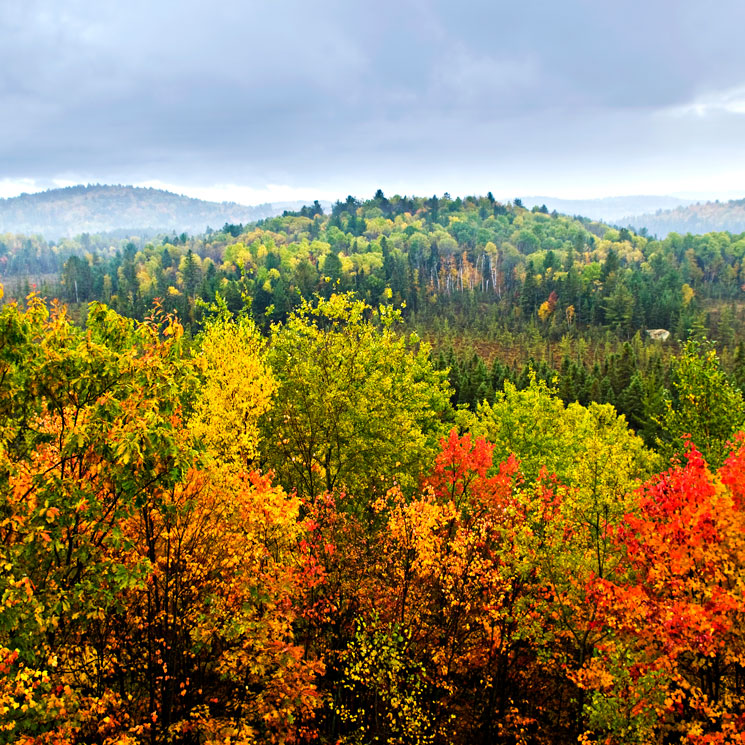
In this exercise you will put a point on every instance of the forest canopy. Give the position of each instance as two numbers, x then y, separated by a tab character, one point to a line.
330	552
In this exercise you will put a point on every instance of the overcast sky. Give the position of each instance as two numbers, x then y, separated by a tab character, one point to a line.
259	101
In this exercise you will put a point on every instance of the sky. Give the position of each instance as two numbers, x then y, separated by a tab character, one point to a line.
256	101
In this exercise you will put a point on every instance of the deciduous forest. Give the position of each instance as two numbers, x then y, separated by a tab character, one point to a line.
411	472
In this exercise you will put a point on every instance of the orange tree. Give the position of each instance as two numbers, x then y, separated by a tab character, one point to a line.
89	428
148	590
431	626
206	645
672	665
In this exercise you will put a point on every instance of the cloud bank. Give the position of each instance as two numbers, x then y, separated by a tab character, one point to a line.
414	96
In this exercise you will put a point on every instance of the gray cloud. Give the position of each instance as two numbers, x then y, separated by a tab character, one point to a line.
333	93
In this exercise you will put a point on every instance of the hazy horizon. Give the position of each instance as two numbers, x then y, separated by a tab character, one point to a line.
277	194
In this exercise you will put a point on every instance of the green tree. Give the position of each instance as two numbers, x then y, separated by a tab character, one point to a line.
619	307
702	403
332	271
357	405
190	273
576	443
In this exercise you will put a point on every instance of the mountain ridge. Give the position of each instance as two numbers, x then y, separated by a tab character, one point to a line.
103	208
116	208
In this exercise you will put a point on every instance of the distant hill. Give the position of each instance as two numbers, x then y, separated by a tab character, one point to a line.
607	209
702	217
99	208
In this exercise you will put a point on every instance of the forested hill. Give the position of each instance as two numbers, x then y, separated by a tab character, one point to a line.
474	262
703	217
102	208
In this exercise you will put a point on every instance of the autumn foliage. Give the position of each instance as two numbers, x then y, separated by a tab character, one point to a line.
525	579
147	596
671	664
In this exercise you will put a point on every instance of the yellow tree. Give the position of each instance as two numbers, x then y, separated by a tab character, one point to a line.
236	391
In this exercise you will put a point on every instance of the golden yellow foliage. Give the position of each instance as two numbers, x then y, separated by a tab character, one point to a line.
237	390
544	311
688	294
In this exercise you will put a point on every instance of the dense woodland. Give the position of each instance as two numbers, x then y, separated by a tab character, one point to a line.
411	472
486	266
